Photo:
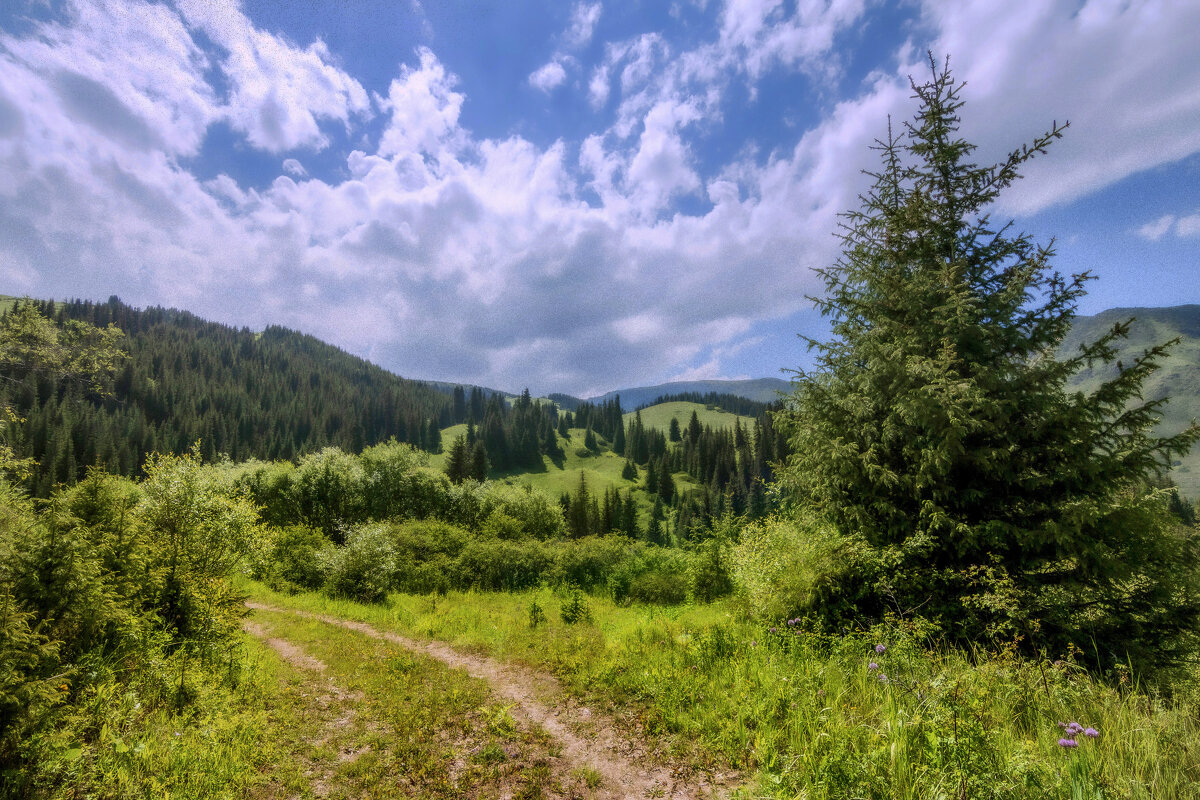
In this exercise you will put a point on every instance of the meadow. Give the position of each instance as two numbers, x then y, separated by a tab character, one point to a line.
879	713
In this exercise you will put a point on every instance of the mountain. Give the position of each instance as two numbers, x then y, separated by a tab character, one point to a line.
270	395
1177	378
761	390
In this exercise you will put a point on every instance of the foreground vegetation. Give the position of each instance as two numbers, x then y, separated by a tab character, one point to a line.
809	715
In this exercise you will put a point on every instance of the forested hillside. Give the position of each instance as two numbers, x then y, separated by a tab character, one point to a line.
270	395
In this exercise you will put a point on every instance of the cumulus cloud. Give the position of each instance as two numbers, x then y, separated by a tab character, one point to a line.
548	77
278	93
424	109
564	265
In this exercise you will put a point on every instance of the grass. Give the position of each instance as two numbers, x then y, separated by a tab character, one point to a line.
659	416
383	722
809	717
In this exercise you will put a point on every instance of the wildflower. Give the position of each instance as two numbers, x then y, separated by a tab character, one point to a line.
791	623
872	665
883	678
879	648
1091	733
1068	743
773	629
1071	728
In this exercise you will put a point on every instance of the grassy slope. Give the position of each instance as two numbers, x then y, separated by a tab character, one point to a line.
1178	378
601	469
659	416
810	717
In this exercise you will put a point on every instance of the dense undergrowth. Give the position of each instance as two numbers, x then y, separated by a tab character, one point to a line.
879	713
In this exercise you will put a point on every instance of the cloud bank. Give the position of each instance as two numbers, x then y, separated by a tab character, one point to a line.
615	258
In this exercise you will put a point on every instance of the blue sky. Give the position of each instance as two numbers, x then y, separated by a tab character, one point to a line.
565	196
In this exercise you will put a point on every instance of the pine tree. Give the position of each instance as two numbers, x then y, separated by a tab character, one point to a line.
655	532
457	468
581	504
937	430
675	435
479	462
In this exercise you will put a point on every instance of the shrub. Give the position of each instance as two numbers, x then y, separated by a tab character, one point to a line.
797	567
500	565
588	562
364	569
652	575
294	563
709	573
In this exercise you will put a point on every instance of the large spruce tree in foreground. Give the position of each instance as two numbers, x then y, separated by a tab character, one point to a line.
938	436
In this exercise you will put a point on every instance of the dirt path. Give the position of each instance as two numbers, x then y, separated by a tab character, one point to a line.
333	709
592	740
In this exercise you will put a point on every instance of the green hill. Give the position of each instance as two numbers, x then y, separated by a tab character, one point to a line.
270	395
1178	378
659	416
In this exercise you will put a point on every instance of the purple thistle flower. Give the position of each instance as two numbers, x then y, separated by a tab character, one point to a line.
879	648
883	678
1091	733
1068	743
872	665
791	622
773	629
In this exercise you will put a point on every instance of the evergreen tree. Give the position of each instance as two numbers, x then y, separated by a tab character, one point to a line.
656	534
629	517
629	471
674	434
479	462
580	509
937	432
457	466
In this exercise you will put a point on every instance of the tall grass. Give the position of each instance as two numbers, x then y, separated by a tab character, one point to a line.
811	717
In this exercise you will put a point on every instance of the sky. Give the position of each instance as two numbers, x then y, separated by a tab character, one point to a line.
569	197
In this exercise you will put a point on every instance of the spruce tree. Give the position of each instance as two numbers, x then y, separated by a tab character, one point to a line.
479	462
457	466
938	435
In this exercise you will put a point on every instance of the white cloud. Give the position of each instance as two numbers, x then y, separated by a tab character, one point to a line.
548	77
1181	227
424	109
1125	75
1158	228
1188	226
278	92
568	265
584	17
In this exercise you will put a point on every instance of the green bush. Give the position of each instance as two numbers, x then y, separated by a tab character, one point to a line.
499	565
364	568
295	562
588	562
656	575
797	567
